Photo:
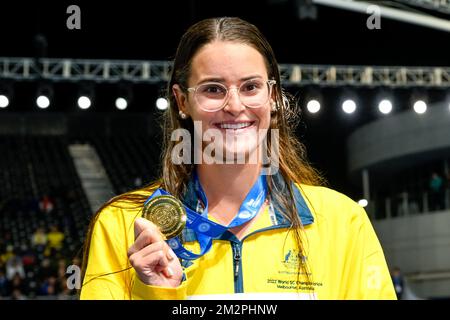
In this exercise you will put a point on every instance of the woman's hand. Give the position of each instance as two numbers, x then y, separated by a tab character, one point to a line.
154	261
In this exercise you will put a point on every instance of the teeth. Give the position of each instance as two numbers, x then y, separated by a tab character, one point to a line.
234	125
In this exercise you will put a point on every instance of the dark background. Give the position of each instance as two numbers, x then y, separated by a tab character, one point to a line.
150	30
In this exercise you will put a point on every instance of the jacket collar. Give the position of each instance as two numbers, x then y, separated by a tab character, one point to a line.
279	186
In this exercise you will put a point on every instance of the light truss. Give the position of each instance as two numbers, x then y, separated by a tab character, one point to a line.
436	5
84	70
390	13
135	71
372	76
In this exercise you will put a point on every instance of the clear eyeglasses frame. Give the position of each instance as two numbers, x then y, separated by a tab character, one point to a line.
214	96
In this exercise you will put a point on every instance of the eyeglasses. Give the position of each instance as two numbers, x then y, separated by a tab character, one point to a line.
213	96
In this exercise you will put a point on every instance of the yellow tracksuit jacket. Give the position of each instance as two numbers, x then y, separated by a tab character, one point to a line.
343	254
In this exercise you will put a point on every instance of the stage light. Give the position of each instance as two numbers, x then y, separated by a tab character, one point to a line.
43	102
313	106
124	95
86	95
363	203
385	106
349	106
84	102
4	101
44	95
162	104
121	103
6	94
312	98
420	107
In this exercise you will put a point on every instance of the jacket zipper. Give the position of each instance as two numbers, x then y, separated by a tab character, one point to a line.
237	258
237	266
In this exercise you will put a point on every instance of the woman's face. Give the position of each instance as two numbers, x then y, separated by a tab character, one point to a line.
231	64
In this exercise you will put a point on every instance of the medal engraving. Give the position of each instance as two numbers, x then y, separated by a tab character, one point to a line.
168	213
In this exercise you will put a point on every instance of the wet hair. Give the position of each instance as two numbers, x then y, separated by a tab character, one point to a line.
293	164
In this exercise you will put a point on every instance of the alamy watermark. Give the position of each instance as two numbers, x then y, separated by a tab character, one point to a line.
74	20
373	276
374	20
74	279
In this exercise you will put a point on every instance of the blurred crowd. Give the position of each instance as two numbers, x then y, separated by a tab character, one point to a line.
37	270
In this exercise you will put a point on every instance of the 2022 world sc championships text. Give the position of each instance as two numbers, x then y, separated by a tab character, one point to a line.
224	309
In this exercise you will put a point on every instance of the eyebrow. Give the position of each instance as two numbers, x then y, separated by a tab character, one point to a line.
221	80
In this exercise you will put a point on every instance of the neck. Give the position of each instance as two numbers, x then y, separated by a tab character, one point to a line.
226	183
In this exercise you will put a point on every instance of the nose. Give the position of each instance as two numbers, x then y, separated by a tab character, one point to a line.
233	104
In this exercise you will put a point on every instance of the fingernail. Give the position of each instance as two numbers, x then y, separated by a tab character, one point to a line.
170	255
169	271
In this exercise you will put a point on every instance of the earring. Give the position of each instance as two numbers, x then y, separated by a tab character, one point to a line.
274	106
182	115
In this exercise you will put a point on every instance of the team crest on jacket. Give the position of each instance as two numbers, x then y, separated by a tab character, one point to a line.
292	258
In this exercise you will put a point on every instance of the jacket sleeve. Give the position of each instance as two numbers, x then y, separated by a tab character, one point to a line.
368	275
109	275
141	291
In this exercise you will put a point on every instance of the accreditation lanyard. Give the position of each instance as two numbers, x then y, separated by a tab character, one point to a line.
206	229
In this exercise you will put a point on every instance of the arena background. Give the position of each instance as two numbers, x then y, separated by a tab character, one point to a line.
59	163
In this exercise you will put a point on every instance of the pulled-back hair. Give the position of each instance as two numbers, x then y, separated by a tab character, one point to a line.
293	165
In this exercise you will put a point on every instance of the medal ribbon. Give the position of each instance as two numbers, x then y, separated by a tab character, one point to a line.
206	229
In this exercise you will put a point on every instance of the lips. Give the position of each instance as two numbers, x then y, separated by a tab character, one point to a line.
234	125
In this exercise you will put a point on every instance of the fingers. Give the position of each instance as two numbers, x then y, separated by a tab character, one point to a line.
154	247
145	233
150	252
152	260
157	246
141	224
170	254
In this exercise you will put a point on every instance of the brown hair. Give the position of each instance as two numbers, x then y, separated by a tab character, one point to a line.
293	165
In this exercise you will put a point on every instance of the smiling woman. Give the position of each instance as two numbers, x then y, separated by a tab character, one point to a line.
229	91
263	234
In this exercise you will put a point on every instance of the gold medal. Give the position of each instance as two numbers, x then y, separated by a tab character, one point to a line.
168	213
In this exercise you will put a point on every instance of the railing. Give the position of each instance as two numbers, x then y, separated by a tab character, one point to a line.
409	203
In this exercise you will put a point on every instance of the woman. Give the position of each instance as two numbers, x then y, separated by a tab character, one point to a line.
301	240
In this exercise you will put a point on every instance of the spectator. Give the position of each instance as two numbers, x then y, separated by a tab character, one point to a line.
397	279
8	254
28	256
14	267
436	192
55	240
46	204
39	240
49	287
